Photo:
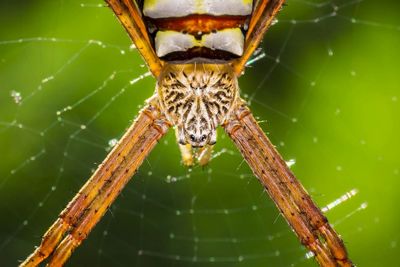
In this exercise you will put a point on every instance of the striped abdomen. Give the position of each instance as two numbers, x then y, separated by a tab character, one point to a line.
183	30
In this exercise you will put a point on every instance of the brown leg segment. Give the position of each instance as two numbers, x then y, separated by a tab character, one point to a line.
301	213
262	17
131	18
98	193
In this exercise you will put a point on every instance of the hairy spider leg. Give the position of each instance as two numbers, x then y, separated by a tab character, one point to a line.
130	17
262	17
87	207
305	218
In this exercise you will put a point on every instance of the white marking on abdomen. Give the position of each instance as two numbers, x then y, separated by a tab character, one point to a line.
180	8
229	40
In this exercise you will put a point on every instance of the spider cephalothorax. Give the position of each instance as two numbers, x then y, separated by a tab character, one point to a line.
197	98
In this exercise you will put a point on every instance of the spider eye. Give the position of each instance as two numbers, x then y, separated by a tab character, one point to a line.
203	138
192	138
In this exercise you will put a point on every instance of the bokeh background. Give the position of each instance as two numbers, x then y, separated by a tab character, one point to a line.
326	90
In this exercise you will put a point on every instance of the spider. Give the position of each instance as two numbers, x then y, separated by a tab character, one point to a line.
196	50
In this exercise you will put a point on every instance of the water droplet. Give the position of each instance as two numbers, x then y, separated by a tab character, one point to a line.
290	162
112	142
16	96
309	255
45	80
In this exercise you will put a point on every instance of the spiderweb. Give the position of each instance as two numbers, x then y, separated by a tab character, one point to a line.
69	92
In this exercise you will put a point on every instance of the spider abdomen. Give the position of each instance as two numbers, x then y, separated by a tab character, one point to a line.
188	30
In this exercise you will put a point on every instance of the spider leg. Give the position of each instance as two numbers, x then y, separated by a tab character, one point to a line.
130	17
186	149
187	154
88	206
204	155
305	218
261	18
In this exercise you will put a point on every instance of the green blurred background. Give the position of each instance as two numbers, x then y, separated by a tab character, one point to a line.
327	93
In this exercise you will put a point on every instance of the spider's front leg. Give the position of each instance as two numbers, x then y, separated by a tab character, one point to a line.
204	155
186	149
92	201
302	214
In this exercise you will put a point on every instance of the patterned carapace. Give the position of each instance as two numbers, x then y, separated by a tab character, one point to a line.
197	98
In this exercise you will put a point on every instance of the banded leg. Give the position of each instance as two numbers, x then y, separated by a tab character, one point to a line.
131	18
106	182
262	17
295	204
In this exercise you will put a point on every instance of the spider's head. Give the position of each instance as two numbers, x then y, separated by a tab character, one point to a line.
197	98
197	132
